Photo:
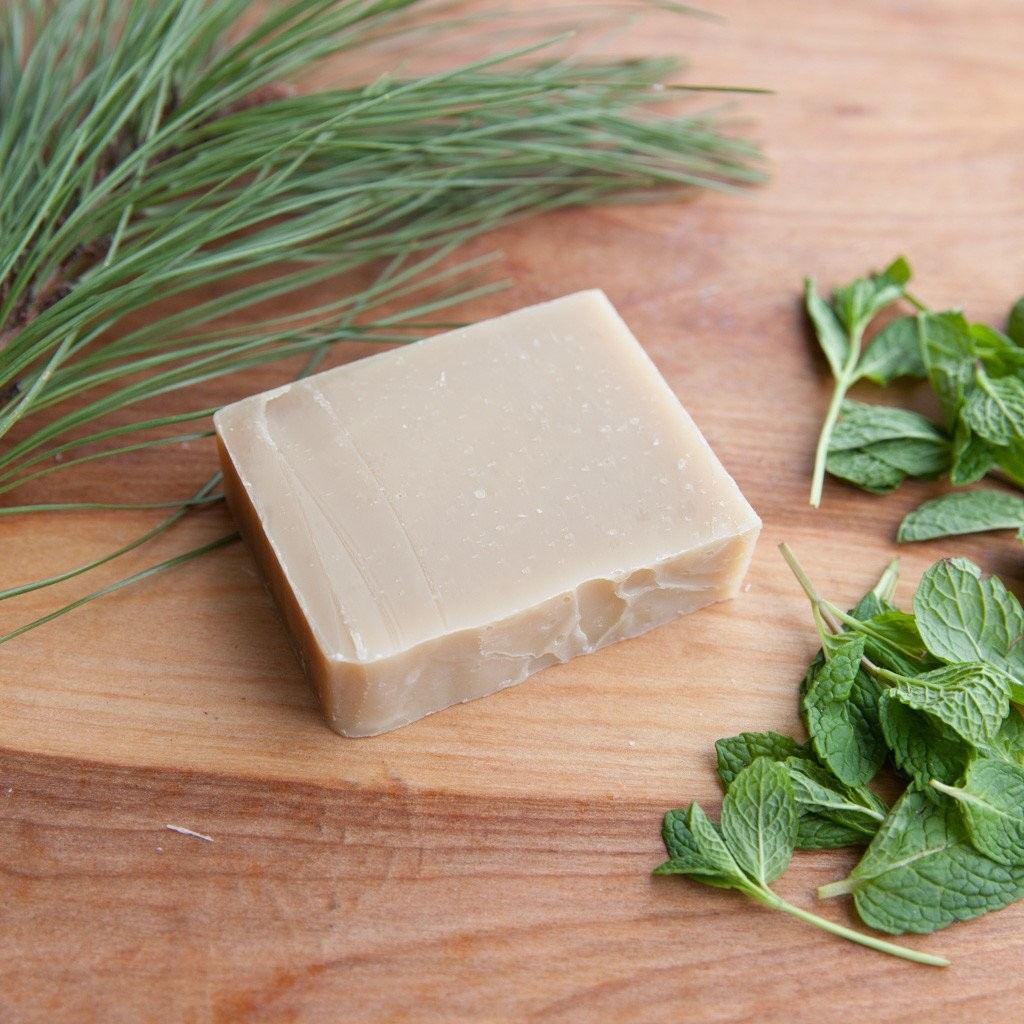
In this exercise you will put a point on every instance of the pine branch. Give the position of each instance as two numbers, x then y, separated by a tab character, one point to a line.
149	148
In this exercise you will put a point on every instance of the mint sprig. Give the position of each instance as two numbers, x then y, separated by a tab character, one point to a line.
977	375
752	846
934	692
840	327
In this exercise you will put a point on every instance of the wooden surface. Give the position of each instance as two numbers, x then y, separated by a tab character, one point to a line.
492	863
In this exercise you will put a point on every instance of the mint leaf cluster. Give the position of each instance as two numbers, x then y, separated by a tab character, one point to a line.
932	693
977	375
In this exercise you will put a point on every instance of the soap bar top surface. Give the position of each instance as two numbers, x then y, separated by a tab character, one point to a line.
455	481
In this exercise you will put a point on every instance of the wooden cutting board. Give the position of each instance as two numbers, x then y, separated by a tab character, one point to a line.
492	862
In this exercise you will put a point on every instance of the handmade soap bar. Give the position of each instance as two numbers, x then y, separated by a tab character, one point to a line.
443	520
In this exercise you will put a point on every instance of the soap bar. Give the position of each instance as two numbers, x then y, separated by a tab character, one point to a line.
442	520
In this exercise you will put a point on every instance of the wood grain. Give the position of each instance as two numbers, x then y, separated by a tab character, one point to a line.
491	863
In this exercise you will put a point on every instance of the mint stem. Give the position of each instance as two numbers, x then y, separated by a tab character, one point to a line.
846	379
825	439
818	606
798	571
841	888
859	937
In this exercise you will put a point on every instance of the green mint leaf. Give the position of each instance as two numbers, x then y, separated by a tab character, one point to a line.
855	305
1011	461
999	355
840	708
817	791
887	655
696	849
870	605
922	460
859	302
1015	325
881	596
831	336
738	752
971	456
1009	742
994	410
819	828
895	352
948	353
896	629
712	844
817	832
965	617
759	820
921	872
876	447
922	748
865	471
959	513
679	841
891	637
897	276
971	698
991	800
861	425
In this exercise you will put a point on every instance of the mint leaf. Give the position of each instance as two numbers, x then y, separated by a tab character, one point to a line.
818	792
955	514
922	748
857	304
679	841
895	352
972	456
712	845
823	824
738	752
948	353
843	730
759	820
964	617
876	447
921	872
829	331
999	354
880	597
1011	461
1009	742
898	630
971	698
817	832
991	800
865	470
1015	325
861	425
921	460
696	849
994	410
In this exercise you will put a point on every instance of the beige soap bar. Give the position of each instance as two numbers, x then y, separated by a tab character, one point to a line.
443	520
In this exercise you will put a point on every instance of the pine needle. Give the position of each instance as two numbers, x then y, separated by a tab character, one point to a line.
153	570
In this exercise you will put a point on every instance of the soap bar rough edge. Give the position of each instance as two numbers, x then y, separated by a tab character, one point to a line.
596	613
